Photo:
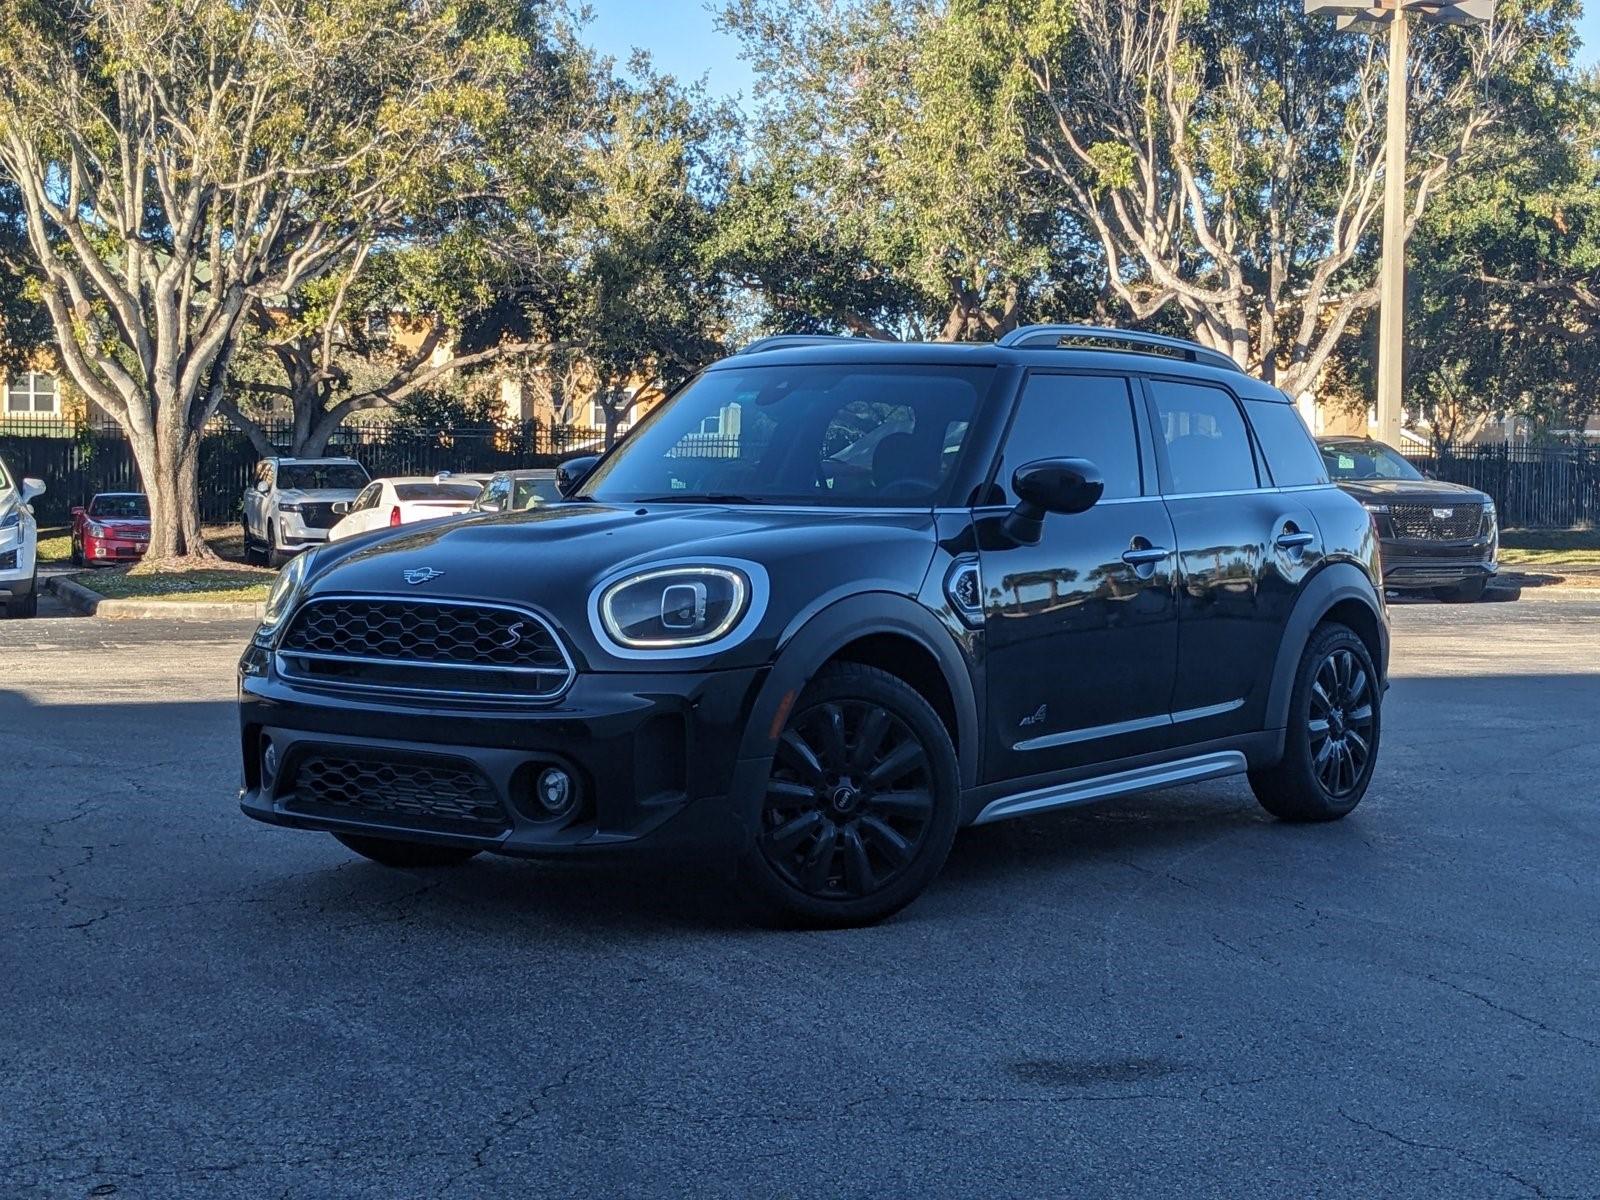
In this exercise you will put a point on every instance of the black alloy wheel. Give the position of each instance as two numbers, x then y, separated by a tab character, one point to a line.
1330	747
1341	722
861	804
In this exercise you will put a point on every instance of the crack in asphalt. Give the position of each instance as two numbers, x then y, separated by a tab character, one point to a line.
1465	1157
1520	1016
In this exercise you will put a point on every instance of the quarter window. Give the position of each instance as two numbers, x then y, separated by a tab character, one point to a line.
1291	455
1077	416
1207	446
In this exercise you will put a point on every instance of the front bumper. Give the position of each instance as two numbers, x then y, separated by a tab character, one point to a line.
1417	565
654	756
113	549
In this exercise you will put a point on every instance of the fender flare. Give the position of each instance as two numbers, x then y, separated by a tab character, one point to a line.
833	628
1335	583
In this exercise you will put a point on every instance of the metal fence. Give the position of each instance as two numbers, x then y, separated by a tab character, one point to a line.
1534	486
76	460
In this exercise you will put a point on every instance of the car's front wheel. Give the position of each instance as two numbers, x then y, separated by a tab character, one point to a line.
1331	744
275	557
1462	593
25	606
861	805
392	853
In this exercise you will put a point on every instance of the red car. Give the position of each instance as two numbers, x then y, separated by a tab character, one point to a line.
114	527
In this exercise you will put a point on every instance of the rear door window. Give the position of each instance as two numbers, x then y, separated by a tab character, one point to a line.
1202	435
1291	455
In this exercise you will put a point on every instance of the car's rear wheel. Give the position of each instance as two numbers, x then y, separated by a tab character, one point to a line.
1331	743
393	853
861	805
1462	593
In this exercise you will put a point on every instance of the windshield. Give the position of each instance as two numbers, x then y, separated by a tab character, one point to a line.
865	434
131	506
309	476
465	493
1366	460
534	492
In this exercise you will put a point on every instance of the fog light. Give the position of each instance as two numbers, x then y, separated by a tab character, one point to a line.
269	761
557	793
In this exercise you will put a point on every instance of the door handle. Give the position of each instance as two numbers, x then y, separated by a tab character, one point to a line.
1140	558
1290	539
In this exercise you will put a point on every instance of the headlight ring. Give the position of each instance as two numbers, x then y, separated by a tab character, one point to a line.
685	608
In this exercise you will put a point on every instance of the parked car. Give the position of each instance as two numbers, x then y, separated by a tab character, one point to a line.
1104	589
1437	537
113	527
289	504
513	491
19	544
388	502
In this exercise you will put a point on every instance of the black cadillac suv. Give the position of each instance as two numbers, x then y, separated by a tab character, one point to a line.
829	603
1436	537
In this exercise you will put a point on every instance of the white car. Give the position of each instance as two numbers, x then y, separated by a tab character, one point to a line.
402	500
19	545
288	506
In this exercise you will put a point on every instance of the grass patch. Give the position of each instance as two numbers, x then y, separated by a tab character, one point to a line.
1550	547
55	545
236	585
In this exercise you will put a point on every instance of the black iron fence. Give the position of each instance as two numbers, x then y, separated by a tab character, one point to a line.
1534	487
76	460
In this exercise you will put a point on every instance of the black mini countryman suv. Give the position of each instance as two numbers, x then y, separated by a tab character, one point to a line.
831	602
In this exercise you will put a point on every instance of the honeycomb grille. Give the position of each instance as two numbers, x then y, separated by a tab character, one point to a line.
1420	522
438	793
460	648
318	516
8	560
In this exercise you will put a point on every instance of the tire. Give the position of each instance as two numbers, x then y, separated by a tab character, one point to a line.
275	558
405	855
77	553
250	555
18	607
1469	592
861	805
1335	710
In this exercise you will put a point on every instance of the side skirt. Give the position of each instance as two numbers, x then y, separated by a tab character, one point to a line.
1213	765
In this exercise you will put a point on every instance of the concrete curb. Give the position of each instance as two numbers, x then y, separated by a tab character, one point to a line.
92	603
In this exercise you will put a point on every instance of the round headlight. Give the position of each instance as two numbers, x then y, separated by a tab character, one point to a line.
674	607
285	591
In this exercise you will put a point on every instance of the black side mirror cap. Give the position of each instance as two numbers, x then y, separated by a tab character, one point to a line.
573	472
1051	485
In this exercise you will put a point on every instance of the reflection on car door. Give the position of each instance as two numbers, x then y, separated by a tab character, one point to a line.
1244	550
1081	628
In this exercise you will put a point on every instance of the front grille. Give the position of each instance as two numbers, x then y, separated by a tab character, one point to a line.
8	561
441	646
425	792
318	516
1424	522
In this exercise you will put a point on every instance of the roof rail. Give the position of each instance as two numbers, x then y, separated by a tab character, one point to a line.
1041	336
785	341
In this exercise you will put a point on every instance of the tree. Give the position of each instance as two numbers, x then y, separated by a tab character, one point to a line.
888	194
179	161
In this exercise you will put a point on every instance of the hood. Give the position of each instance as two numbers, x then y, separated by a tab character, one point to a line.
1424	491
316	495
553	558
121	522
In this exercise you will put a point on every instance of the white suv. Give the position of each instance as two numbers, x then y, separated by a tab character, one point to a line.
288	507
19	545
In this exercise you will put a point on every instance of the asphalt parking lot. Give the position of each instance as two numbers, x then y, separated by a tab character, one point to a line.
1170	995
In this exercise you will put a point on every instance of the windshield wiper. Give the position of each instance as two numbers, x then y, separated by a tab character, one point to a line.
702	498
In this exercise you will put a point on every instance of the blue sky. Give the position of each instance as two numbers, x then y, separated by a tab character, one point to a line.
683	39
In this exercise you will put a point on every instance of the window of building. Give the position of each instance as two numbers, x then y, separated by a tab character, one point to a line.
33	392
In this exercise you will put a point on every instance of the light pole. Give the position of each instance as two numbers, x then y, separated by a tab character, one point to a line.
1394	17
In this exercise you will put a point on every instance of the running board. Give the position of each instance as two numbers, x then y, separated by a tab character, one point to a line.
1142	779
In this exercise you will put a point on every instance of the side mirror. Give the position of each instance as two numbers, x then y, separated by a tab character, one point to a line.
1051	485
341	507
31	488
489	506
573	472
263	487
77	510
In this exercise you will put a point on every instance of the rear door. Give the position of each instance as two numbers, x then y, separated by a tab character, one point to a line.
1245	546
1081	629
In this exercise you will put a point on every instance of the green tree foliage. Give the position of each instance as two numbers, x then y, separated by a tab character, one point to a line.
181	161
